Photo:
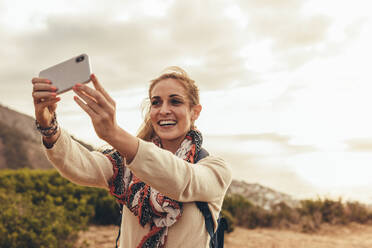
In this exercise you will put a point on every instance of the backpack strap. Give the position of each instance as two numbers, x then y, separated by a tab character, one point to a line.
209	224
120	219
203	206
202	154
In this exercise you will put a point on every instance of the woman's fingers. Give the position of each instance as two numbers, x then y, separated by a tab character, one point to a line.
85	107
45	99
99	87
44	87
41	80
43	90
89	101
50	103
97	97
94	94
43	96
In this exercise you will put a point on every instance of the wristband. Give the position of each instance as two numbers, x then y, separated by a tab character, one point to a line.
48	131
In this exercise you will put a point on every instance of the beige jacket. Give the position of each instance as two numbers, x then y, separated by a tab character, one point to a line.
170	175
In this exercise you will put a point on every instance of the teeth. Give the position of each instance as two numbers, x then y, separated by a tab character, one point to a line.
167	122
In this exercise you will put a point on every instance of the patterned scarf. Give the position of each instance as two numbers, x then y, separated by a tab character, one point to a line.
145	202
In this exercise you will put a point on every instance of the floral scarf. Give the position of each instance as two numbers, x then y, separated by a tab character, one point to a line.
145	202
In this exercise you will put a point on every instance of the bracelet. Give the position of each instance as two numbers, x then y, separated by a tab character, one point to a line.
48	131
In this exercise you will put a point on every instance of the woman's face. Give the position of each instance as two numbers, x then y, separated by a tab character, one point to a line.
170	112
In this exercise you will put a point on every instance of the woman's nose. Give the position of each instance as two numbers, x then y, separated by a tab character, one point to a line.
165	109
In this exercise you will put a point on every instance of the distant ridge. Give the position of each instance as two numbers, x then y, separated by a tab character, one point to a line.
261	196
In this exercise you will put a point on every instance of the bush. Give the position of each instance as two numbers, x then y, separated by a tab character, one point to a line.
284	216
23	224
231	221
309	216
245	213
42	209
357	212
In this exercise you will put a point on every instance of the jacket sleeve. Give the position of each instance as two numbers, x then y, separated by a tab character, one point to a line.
78	164
207	180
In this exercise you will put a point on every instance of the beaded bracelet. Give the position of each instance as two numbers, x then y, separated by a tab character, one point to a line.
48	131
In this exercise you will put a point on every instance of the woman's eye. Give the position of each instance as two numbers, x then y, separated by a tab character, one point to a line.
155	102
176	102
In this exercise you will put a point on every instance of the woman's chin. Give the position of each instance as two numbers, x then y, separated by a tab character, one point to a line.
169	136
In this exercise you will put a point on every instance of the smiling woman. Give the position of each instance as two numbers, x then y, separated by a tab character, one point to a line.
152	174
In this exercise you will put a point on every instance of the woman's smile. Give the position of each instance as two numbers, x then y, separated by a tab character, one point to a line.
167	123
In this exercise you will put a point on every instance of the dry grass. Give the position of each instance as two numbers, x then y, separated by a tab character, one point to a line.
98	237
352	236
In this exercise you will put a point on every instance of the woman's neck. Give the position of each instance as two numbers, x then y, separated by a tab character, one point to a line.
172	145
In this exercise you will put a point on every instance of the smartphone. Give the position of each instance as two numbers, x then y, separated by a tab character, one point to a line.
68	73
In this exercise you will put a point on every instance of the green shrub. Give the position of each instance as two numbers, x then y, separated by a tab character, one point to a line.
93	204
284	216
333	212
23	224
308	216
356	212
245	213
231	221
42	203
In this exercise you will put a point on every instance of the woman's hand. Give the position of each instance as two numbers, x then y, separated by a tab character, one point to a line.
102	110
45	100
99	106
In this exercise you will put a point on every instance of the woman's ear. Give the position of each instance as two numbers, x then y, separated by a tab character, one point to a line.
195	112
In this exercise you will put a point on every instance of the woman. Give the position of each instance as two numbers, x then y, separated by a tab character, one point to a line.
152	174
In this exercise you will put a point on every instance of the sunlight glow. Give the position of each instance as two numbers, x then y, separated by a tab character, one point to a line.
312	92
334	169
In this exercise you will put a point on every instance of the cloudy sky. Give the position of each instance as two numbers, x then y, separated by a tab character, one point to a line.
285	84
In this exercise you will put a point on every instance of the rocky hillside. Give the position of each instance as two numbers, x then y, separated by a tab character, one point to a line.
20	143
259	195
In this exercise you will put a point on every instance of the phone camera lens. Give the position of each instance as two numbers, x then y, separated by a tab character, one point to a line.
79	59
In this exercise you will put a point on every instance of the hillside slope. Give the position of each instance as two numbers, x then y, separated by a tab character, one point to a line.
20	143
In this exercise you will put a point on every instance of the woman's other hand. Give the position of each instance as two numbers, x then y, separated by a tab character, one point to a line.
45	100
101	108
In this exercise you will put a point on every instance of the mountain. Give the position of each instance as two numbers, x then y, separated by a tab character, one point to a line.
259	195
20	142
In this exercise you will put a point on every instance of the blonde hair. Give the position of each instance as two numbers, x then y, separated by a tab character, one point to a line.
146	131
